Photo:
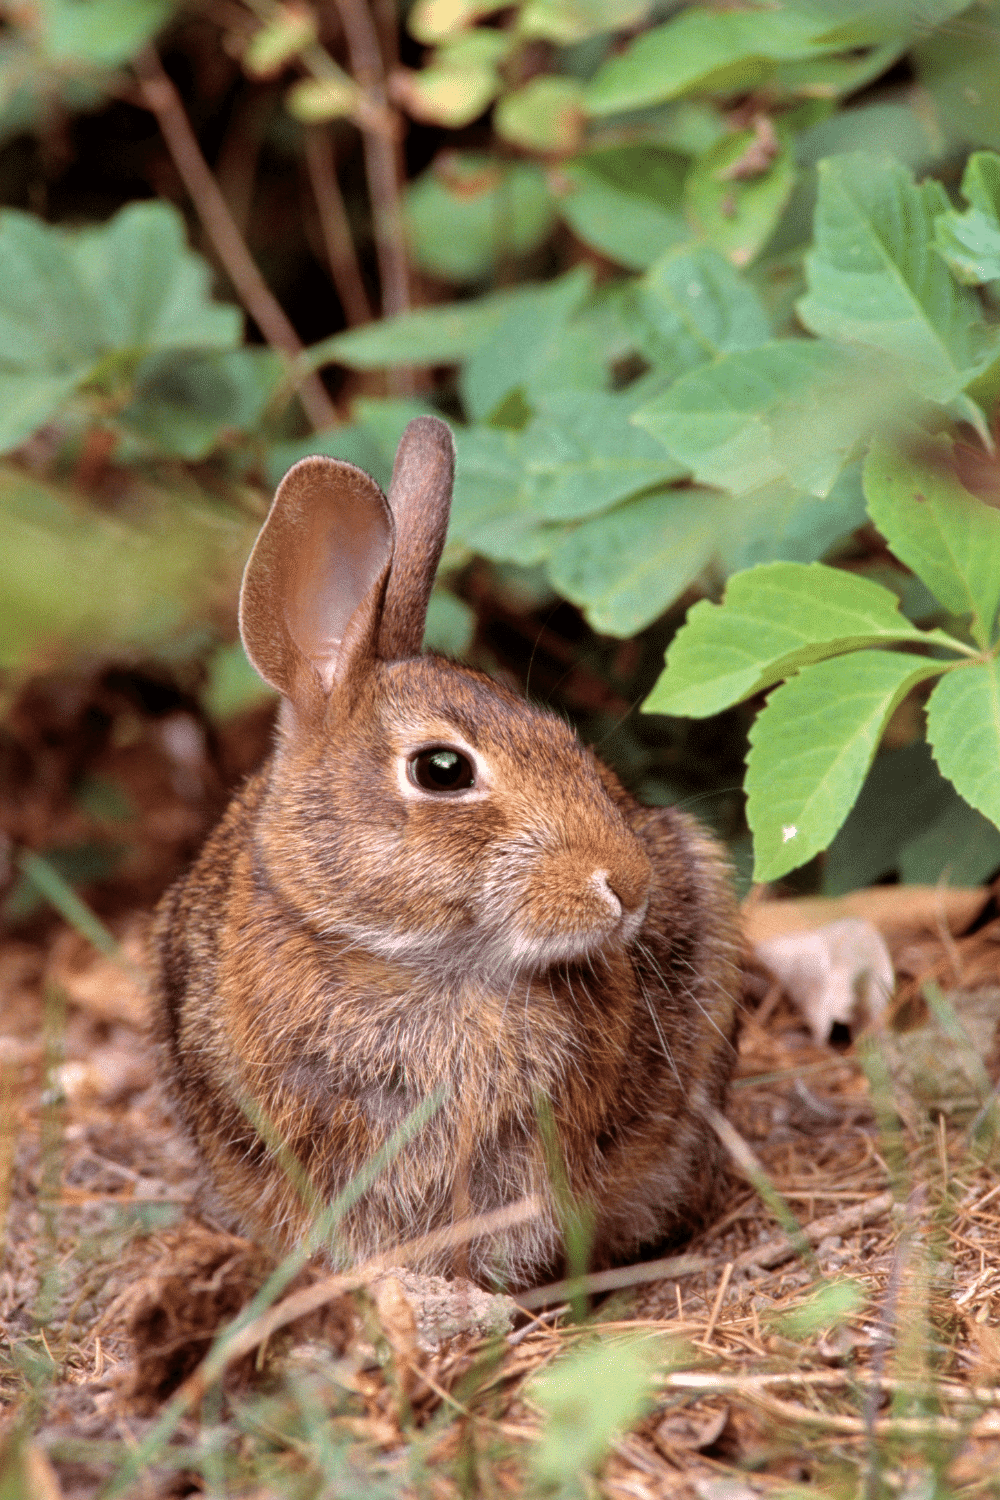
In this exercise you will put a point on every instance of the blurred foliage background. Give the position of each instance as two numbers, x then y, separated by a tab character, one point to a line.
234	233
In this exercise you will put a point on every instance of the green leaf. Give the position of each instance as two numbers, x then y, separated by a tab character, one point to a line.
581	455
874	280
49	318
794	409
970	242
773	620
948	537
587	1398
103	33
734	207
28	399
904	793
811	747
546	114
491	511
567	21
963	727
430	336
153	292
958	66
626	567
184	403
730	51
451	624
626	201
370	441
959	846
697	306
780	523
468	213
528	347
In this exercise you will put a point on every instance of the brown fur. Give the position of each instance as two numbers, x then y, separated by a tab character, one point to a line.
345	946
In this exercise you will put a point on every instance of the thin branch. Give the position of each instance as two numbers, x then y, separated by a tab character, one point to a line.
340	252
162	99
382	162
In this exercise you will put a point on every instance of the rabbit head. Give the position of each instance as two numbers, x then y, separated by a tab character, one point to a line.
416	808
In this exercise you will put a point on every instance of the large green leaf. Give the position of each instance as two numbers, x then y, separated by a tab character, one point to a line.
970	242
737	211
773	620
958	67
948	537
726	51
875	279
491	510
466	214
534	347
28	398
429	336
963	726
780	523
581	455
102	33
903	793
626	201
50	320
697	306
153	292
811	747
626	567
793	410
370	440
185	402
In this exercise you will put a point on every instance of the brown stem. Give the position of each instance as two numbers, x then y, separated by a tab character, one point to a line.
382	164
340	252
161	97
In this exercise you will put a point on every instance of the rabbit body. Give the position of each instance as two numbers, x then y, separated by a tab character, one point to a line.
355	938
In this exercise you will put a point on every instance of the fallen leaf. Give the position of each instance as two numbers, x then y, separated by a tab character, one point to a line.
900	912
106	990
837	975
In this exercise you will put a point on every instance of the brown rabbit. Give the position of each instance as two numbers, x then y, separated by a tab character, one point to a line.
433	887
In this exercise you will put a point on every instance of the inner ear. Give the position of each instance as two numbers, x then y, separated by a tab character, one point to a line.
318	567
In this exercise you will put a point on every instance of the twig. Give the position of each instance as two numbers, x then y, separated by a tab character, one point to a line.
713	1316
340	252
382	165
761	1257
162	99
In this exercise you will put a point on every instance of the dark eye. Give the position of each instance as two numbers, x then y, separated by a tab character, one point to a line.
441	770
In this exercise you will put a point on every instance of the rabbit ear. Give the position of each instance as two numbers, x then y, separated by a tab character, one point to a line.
312	590
420	499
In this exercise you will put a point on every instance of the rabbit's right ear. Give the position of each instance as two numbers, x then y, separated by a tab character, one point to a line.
312	591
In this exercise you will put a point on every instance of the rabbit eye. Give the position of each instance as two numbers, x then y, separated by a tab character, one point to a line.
441	770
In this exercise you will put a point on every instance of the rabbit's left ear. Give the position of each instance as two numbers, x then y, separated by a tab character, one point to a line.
420	501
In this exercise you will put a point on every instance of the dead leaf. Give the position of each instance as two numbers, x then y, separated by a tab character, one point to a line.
106	990
445	1307
840	974
759	154
985	1340
399	1326
900	912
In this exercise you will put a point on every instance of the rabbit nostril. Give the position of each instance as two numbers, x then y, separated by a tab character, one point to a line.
605	891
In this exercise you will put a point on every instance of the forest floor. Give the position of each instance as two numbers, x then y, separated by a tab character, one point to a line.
867	1361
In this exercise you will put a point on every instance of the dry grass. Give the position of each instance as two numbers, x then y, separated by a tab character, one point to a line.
866	1364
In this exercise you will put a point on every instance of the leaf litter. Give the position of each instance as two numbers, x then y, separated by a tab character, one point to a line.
839	1320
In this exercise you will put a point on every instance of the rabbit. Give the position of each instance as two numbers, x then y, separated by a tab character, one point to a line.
434	890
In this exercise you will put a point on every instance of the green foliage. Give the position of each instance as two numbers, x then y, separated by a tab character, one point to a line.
588	1397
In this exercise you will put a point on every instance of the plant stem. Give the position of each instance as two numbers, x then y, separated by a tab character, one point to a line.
162	99
382	167
340	252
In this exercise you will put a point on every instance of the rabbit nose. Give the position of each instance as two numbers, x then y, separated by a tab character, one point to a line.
619	891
